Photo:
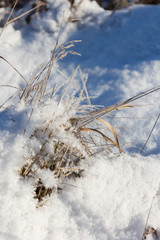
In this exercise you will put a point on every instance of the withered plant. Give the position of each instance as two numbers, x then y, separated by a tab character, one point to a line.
72	131
82	123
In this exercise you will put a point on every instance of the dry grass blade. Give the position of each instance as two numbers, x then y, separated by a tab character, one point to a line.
2	105
149	230
82	95
69	82
22	15
58	168
111	128
10	86
150	134
124	106
93	115
145	93
13	68
35	90
11	12
84	129
84	81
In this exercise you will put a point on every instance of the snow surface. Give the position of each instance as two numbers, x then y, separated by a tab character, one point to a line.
122	55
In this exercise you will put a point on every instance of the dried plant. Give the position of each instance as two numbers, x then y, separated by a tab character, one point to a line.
147	231
15	3
84	124
64	158
80	121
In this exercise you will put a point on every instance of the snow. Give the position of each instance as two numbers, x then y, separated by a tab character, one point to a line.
112	199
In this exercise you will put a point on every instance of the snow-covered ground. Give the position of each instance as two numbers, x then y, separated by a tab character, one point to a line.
121	53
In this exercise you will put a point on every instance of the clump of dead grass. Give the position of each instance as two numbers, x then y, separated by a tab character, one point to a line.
64	143
73	129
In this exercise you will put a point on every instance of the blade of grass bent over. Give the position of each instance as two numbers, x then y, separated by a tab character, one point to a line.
103	135
111	128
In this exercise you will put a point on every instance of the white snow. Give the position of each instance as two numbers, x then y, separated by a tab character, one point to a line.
121	53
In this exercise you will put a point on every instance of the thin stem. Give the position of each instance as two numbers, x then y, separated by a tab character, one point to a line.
150	133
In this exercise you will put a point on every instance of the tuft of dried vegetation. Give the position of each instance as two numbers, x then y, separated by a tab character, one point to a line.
82	123
73	130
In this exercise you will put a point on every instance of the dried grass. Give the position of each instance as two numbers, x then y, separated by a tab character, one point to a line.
9	20
148	229
65	159
93	133
35	90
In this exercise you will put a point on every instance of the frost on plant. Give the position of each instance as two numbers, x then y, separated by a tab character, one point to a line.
54	152
63	128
